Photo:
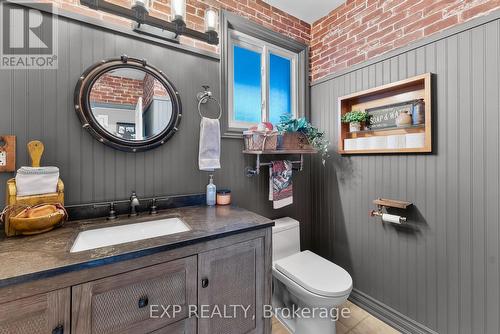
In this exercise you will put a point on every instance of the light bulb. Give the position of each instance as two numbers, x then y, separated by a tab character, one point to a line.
211	20
178	10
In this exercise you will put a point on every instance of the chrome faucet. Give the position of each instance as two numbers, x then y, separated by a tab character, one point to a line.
134	201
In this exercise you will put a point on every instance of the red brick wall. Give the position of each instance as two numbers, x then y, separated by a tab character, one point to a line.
116	90
152	88
256	10
362	29
352	33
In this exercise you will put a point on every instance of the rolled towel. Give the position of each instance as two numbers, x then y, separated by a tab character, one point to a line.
36	180
209	155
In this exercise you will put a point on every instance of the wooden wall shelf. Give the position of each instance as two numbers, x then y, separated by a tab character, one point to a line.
415	88
392	203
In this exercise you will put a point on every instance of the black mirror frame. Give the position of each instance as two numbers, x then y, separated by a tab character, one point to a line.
89	122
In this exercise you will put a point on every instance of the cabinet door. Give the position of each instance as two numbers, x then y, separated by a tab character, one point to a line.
47	313
230	278
133	302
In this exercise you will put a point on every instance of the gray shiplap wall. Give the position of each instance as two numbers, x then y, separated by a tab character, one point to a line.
442	271
38	104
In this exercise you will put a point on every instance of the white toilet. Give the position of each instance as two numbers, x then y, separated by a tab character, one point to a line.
304	280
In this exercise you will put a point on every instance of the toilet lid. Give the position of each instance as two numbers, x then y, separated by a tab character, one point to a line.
315	274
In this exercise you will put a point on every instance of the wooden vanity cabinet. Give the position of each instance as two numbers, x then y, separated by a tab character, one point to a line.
226	273
40	314
123	303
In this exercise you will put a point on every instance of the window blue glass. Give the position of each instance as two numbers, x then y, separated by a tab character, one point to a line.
280	91
247	86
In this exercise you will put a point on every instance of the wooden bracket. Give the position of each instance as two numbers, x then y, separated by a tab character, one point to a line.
8	153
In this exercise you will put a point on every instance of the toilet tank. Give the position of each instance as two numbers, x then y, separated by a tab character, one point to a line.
286	238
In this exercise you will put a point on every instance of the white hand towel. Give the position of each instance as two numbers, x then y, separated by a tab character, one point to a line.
36	180
209	155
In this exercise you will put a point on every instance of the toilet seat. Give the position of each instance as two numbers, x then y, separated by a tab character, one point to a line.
315	274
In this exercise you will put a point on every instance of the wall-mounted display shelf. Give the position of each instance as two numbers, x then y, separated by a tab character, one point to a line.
256	171
384	104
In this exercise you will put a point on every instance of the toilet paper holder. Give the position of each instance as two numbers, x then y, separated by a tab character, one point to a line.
383	202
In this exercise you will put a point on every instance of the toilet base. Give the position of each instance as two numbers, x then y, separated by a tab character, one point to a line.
315	325
308	326
284	299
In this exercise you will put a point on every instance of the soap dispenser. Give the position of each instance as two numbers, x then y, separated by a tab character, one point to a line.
211	192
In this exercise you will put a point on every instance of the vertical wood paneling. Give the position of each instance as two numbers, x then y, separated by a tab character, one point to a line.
492	180
443	272
38	104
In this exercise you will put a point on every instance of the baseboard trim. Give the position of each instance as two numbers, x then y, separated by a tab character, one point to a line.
387	314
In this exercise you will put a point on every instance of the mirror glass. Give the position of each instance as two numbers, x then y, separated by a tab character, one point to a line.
130	104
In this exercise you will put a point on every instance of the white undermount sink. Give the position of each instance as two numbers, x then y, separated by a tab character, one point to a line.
121	234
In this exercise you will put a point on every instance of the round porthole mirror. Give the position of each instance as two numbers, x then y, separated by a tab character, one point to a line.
128	104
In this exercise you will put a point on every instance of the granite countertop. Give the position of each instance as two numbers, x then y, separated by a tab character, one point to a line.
27	258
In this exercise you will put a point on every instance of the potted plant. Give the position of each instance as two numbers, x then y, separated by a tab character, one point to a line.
354	118
298	133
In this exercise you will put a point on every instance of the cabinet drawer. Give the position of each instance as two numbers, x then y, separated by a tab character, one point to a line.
44	313
122	303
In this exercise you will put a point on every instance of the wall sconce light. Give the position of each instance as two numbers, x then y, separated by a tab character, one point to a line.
141	9
178	13
211	21
139	12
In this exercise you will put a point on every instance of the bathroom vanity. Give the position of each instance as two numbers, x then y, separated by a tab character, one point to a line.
223	259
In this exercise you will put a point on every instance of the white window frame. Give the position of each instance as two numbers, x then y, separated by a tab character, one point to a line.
265	49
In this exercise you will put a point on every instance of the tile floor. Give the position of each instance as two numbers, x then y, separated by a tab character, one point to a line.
359	322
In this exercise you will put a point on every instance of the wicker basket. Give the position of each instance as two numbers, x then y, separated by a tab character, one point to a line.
260	141
294	141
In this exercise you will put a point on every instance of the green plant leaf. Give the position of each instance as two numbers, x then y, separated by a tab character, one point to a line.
315	136
354	116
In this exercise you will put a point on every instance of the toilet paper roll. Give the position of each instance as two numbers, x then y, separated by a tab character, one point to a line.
362	143
350	144
391	218
415	140
377	143
396	141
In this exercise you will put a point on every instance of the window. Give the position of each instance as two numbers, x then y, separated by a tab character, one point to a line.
262	81
264	75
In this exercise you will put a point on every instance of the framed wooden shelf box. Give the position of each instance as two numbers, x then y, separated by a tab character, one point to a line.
390	139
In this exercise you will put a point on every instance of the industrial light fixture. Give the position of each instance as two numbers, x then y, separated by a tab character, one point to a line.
139	11
211	19
178	13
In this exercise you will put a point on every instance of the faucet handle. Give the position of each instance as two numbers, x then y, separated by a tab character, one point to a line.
112	212
154	200
153	207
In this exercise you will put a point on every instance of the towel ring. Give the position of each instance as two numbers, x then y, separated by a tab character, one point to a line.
204	97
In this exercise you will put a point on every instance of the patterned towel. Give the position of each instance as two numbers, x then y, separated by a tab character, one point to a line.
280	183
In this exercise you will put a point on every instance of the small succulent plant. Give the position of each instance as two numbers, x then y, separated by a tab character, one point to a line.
354	116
